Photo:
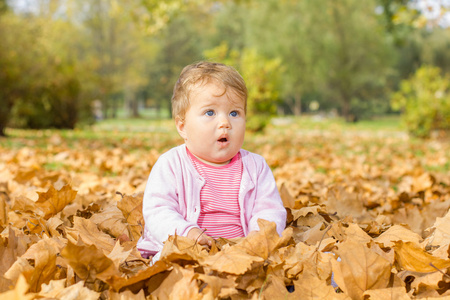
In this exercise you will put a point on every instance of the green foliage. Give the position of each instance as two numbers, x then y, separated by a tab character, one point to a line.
424	100
262	77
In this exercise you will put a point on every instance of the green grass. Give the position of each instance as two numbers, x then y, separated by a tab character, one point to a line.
112	132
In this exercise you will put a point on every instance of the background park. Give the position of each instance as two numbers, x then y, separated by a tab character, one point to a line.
349	103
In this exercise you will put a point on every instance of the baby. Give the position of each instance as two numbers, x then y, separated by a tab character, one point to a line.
208	187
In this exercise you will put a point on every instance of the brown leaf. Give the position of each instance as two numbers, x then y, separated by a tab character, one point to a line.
86	231
57	289
441	233
232	260
396	293
19	292
117	283
43	254
180	284
265	241
182	248
397	233
89	262
360	269
53	201
311	287
111	220
409	256
131	207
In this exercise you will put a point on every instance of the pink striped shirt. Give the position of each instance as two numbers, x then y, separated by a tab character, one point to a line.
219	198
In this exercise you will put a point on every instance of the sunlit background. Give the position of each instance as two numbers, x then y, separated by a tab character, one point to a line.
67	63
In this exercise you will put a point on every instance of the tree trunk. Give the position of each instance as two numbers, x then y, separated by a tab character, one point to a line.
297	105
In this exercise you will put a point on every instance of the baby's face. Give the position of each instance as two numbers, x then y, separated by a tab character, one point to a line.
214	125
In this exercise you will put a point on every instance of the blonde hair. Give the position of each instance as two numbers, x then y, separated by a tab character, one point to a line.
202	73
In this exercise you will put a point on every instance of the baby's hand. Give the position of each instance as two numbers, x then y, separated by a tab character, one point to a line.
198	235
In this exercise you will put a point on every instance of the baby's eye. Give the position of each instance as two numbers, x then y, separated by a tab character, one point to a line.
234	113
209	113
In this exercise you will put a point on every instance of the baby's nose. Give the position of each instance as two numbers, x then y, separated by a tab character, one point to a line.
224	123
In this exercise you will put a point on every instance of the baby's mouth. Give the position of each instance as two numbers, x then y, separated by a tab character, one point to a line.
223	140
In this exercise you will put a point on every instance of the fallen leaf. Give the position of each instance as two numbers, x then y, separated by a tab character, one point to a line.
360	269
232	260
131	207
19	292
396	293
53	201
89	262
397	233
409	256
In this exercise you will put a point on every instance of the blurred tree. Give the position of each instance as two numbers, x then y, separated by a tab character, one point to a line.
3	6
180	43
358	56
262	76
425	101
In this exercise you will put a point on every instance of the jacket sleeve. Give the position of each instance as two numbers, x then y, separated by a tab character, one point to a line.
268	204
164	215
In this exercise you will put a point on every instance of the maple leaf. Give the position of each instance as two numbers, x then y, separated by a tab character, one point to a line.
180	284
265	241
397	233
89	262
57	289
131	207
19	292
312	287
441	233
111	220
86	231
397	293
360	269
118	282
409	256
232	260
178	248
8	251
43	253
53	201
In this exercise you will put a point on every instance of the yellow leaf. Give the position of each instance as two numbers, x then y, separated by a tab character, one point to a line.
57	289
19	292
263	242
395	293
409	256
131	207
53	201
231	260
360	269
89	262
397	233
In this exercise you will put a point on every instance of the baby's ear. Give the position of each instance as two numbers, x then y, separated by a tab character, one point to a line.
179	122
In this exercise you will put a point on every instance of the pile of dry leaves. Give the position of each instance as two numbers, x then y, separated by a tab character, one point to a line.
371	212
